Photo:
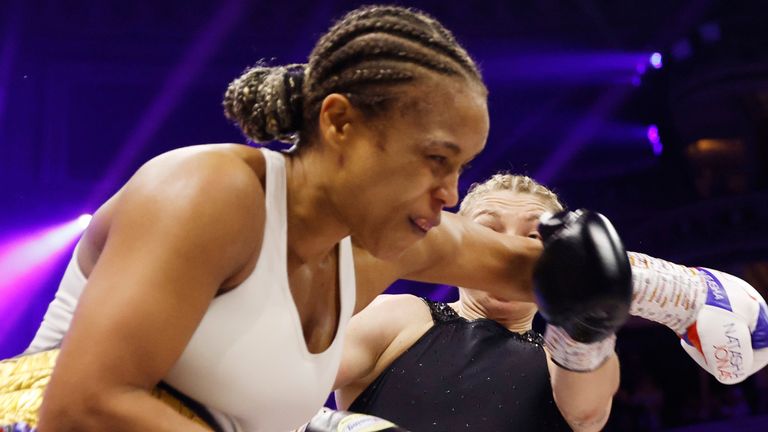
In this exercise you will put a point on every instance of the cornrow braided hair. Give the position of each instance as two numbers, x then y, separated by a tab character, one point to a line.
362	56
266	102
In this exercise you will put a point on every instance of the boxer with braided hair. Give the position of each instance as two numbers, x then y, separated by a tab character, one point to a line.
228	273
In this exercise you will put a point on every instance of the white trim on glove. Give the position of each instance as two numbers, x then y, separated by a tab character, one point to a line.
577	356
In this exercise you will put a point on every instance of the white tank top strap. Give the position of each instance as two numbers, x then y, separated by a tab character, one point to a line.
276	226
275	245
275	196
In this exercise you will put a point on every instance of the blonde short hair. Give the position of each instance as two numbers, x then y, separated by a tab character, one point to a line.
513	183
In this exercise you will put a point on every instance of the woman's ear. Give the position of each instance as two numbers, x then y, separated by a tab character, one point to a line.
336	116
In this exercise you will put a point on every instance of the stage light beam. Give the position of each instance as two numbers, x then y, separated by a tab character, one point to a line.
84	220
26	262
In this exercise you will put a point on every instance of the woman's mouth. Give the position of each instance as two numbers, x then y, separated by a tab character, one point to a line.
423	224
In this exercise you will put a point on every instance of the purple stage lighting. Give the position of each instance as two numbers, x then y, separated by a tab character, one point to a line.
653	138
26	262
655	60
710	32
84	220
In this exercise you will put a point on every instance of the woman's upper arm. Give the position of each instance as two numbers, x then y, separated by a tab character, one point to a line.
179	230
369	338
463	253
368	334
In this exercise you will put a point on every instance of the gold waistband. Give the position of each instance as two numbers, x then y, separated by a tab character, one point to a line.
23	380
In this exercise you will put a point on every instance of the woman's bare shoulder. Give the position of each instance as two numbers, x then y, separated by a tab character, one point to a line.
207	188
238	155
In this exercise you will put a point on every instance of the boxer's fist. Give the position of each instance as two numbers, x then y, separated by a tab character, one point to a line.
729	338
583	281
328	420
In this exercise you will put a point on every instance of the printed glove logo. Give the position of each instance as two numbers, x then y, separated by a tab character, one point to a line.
363	423
728	356
716	295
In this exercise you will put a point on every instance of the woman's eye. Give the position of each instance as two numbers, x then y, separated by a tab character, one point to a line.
439	159
489	221
535	236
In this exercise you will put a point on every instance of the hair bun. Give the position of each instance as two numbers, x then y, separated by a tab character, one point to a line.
266	102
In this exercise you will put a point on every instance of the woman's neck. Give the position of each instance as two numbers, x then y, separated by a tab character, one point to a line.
314	225
515	316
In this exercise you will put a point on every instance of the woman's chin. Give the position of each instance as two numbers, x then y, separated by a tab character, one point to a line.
390	250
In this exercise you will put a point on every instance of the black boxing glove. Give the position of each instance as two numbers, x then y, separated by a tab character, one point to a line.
583	287
328	420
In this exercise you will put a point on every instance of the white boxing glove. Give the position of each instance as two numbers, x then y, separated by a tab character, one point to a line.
722	320
729	337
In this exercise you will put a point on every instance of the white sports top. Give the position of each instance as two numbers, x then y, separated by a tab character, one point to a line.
247	362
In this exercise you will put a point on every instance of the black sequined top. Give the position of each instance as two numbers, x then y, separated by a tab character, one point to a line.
466	376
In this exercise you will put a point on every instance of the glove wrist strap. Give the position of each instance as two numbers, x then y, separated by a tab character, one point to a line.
665	292
577	356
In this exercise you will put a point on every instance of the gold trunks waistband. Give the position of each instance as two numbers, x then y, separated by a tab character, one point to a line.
23	380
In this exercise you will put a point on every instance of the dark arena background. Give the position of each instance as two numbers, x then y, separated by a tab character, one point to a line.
653	112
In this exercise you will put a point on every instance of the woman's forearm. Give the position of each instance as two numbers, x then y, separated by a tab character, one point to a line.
584	398
464	253
128	409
